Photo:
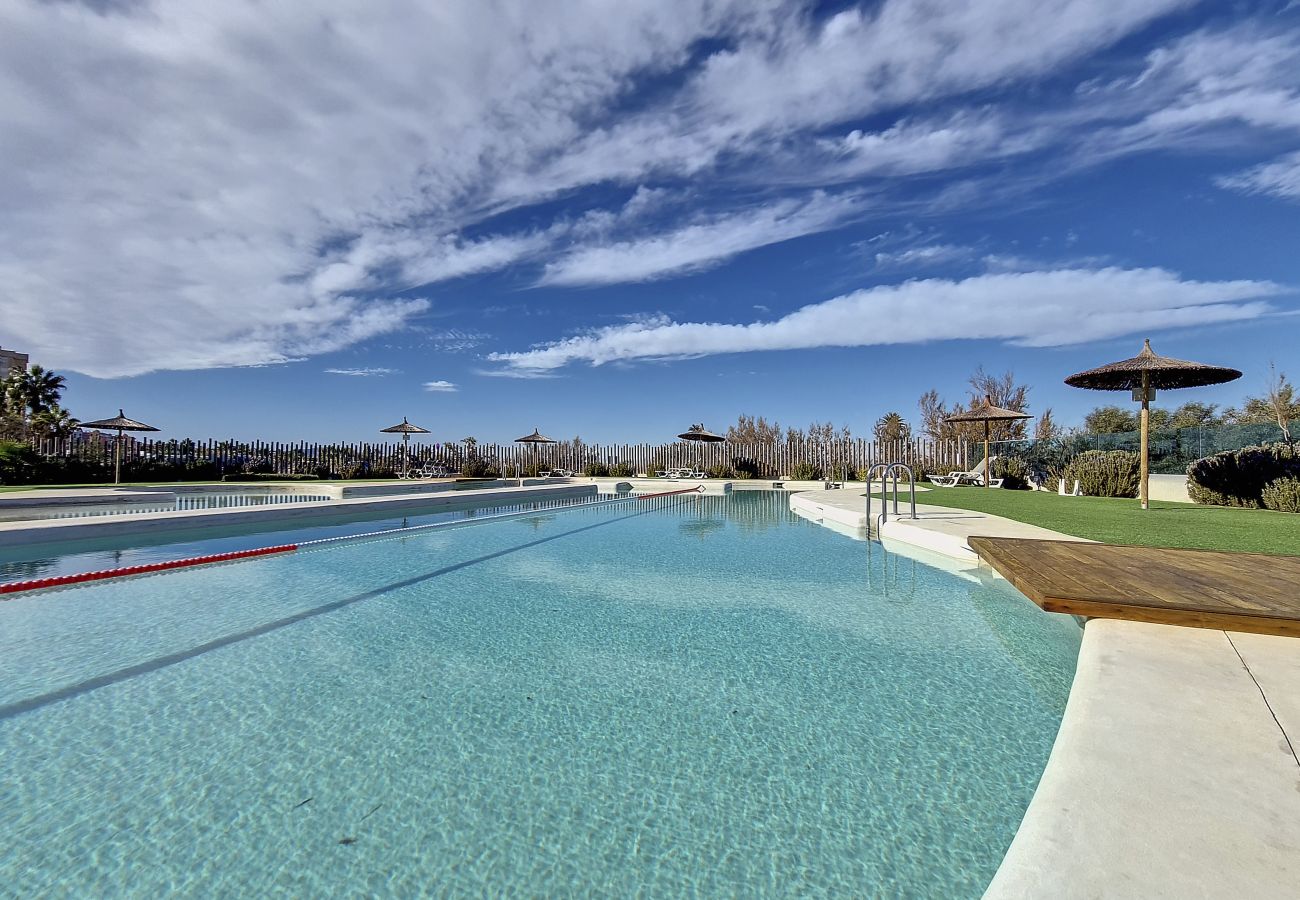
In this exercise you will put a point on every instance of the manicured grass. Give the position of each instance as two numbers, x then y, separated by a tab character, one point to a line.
1117	521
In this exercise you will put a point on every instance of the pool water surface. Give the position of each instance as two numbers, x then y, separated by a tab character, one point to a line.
697	695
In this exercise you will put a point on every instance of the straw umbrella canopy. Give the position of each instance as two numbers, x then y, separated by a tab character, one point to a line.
535	438
1143	375
121	423
701	435
405	429
988	414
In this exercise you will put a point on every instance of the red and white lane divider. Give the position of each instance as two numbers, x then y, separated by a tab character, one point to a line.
14	587
36	584
698	489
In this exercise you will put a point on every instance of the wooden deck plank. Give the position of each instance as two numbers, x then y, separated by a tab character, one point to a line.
1251	592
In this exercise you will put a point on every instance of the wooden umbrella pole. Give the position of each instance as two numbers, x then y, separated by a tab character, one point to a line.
117	458
988	464
1145	426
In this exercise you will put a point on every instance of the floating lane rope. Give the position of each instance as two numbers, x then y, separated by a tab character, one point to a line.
36	584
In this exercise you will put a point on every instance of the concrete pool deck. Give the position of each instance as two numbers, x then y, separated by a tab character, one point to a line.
1174	773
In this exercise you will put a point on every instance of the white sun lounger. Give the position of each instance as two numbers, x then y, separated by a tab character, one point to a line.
974	476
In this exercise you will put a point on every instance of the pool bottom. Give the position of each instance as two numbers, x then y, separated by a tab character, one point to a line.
591	703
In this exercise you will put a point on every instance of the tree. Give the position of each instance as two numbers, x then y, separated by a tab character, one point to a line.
1282	399
1279	405
749	430
55	422
892	427
1109	420
933	417
1193	415
1001	390
35	390
1046	429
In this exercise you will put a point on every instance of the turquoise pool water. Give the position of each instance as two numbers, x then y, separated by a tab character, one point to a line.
703	696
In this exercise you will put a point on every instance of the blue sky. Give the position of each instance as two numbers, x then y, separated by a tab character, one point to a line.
614	219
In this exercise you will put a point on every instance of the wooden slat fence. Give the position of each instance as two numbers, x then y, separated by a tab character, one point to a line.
208	459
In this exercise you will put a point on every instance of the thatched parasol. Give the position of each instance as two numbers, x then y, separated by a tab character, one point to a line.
121	423
535	438
405	429
702	435
1143	374
988	413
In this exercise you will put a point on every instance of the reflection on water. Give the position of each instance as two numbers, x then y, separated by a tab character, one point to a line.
890	575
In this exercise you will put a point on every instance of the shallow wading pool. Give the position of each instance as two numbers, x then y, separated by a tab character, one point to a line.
691	694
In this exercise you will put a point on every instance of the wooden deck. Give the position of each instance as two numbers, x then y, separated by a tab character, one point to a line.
1198	588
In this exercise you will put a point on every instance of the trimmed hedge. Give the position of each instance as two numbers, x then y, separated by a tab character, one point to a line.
1105	473
1238	477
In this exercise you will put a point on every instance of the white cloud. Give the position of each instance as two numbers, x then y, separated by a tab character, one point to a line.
522	374
440	387
926	256
1281	178
363	372
701	244
236	184
228	184
1043	308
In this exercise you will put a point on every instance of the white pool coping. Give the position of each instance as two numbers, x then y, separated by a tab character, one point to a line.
51	530
1174	771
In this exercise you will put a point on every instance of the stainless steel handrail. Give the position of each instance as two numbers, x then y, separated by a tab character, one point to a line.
889	470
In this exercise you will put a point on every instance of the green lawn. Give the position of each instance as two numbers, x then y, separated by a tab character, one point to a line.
1124	522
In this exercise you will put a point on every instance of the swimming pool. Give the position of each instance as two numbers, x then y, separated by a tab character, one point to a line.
697	694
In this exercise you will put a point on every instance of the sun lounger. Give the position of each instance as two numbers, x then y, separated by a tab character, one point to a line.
974	476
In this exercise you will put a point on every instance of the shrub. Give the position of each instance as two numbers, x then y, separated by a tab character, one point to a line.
596	470
478	467
622	470
259	466
720	471
805	471
1238	477
745	468
1282	495
1104	473
18	462
1013	471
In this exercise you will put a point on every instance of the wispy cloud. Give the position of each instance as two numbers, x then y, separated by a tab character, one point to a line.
1281	178
364	372
923	257
701	244
440	387
524	373
1027	308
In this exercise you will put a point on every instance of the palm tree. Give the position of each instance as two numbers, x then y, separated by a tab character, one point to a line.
892	427
35	391
55	422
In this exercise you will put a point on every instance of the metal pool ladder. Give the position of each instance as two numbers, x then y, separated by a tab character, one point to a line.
887	471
